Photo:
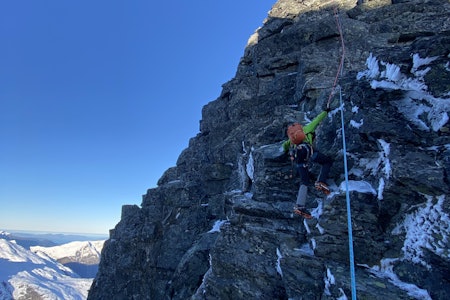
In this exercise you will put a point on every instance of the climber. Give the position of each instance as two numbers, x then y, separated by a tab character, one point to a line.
301	150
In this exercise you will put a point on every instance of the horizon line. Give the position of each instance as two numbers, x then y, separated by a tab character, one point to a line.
52	232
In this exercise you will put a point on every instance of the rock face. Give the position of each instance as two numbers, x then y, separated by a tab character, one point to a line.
220	224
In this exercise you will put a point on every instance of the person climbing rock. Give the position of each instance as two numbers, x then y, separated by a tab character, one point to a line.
301	150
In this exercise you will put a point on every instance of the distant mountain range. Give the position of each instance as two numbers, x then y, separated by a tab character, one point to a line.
29	238
40	272
81	257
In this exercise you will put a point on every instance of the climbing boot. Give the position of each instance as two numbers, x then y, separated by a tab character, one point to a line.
302	211
323	187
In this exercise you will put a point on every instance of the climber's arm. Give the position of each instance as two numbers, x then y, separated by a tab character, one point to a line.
314	123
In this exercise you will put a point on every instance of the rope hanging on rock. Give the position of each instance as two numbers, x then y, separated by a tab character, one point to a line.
349	216
341	63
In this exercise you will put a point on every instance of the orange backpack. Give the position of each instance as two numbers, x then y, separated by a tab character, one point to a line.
295	133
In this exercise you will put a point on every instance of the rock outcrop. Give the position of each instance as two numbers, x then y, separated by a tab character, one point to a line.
220	224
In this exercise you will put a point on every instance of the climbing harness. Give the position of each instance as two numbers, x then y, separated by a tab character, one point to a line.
293	153
309	151
349	216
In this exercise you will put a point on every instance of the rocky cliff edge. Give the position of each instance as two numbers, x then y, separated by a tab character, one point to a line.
220	224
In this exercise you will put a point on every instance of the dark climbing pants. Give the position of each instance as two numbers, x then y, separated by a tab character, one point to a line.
317	157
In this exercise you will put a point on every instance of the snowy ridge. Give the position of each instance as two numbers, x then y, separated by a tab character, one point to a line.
4	233
76	251
10	251
28	275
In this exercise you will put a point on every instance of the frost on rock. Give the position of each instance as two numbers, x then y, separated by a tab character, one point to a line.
243	173
217	225
391	78
279	257
306	226
203	285
385	270
447	67
306	248
385	169
384	158
381	186
358	186
249	167
356	124
343	296
317	212
379	167
419	62
313	244
373	69
426	228
329	280
418	105
424	110
320	228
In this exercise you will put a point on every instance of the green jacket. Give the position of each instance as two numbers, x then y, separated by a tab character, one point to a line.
308	130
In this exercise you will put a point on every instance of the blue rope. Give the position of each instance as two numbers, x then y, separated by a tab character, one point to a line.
349	214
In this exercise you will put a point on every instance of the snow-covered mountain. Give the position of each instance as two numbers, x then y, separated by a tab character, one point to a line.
27	241
26	274
81	257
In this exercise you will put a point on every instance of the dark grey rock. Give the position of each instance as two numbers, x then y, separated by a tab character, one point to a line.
220	223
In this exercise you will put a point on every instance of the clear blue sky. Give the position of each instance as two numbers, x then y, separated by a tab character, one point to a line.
99	98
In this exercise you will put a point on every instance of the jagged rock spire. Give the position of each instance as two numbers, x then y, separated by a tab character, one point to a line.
220	223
